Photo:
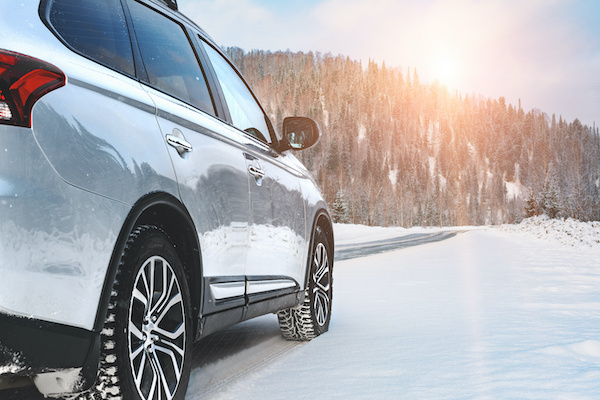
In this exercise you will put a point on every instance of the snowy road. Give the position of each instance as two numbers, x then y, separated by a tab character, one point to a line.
487	314
482	315
362	249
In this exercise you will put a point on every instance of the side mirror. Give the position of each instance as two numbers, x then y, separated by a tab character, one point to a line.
299	133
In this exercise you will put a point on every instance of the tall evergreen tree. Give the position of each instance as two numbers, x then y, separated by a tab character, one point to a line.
340	209
550	198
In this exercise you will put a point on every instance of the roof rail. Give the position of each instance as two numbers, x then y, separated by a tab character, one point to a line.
172	4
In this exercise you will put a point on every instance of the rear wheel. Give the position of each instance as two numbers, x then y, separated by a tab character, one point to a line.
311	318
147	336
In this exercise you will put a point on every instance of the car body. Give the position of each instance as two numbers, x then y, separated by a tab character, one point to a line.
123	123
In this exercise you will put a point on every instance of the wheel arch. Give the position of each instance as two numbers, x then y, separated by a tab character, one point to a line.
167	213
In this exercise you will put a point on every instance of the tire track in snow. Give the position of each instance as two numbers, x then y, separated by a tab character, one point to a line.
355	250
224	357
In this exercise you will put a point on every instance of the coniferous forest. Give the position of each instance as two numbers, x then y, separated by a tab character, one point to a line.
395	151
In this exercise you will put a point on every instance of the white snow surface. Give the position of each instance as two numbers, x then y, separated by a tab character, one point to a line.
492	313
569	232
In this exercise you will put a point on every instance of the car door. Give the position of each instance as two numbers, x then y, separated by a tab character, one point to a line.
275	259
206	153
278	232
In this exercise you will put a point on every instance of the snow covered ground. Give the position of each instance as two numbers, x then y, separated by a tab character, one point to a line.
509	312
569	232
492	313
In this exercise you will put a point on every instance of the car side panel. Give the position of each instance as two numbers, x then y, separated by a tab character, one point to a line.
55	240
101	135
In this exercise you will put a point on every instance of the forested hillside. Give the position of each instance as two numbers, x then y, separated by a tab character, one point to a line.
395	151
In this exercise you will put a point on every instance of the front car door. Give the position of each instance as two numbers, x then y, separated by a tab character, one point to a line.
275	261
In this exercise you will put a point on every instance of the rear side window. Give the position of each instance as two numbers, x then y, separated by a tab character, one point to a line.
169	58
95	28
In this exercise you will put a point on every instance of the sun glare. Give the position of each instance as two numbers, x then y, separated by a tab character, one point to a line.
446	70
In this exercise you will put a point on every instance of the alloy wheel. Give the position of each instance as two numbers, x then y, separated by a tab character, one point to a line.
156	330
322	284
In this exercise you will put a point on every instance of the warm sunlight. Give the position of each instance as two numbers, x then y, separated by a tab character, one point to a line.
446	70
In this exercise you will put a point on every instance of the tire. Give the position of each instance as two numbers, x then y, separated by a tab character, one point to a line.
146	341
311	318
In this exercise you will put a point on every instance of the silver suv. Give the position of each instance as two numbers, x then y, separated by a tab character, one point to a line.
146	201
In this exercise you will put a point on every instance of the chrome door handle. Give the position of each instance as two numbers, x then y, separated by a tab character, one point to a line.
256	172
177	140
179	143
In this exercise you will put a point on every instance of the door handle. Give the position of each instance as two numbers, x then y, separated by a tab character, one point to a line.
178	141
254	168
256	172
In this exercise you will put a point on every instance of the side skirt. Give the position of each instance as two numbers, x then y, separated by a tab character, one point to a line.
218	321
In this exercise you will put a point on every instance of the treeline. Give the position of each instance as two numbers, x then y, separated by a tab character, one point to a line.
396	151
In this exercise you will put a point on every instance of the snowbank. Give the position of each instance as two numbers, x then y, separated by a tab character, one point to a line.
568	232
352	234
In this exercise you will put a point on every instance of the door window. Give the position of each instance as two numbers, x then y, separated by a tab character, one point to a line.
246	113
169	58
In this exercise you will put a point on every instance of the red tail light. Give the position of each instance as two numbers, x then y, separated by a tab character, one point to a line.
23	81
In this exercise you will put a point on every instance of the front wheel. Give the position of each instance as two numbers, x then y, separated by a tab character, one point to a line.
311	318
146	341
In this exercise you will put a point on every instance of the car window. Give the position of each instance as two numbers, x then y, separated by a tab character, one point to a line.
245	112
97	29
169	58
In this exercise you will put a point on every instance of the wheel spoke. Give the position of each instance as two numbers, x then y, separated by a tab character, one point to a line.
164	291
176	300
141	297
135	331
139	374
153	386
171	335
135	353
321	279
150	272
320	286
321	307
321	276
146	287
163	383
176	365
172	344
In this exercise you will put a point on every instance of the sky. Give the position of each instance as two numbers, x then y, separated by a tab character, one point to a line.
545	53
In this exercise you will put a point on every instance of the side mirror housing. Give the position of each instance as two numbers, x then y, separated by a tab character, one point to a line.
299	133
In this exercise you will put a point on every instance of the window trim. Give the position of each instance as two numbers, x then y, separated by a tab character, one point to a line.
218	96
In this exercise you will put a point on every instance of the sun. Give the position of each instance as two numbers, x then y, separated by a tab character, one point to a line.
446	70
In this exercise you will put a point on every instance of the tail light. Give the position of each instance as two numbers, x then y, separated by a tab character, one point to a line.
23	81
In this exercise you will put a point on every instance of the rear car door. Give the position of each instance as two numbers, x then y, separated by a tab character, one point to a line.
275	260
206	153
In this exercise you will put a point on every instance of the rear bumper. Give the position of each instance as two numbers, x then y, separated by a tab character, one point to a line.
30	347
